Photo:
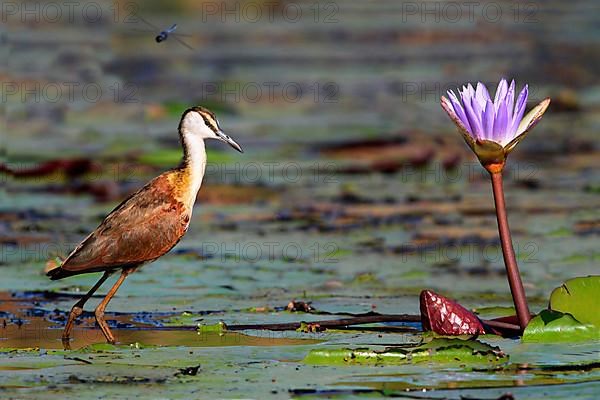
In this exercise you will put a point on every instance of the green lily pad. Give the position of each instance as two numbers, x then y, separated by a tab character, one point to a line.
191	319
580	298
107	348
553	326
494	311
440	350
183	319
219	328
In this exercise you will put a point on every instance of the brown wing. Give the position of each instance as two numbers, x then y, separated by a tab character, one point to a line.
142	228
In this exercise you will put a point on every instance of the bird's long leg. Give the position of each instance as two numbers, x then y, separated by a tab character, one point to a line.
77	309
99	312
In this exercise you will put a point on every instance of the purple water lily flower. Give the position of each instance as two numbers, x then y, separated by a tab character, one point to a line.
500	121
492	129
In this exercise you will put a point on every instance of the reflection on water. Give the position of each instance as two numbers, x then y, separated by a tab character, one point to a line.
29	331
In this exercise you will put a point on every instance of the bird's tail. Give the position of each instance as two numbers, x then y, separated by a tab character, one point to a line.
54	271
57	273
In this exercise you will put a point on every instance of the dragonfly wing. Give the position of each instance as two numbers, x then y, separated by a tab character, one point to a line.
143	30
148	23
183	43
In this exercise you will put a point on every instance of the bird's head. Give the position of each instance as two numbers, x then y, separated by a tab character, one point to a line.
202	123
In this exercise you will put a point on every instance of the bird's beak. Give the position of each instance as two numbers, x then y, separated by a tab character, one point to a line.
225	138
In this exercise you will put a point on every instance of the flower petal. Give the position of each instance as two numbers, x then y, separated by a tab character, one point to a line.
488	120
467	135
473	116
500	124
509	100
500	93
458	108
529	121
482	95
519	110
533	117
469	90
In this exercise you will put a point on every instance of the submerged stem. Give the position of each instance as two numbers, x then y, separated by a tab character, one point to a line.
510	261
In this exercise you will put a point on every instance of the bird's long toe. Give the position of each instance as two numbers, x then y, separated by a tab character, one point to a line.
76	311
104	326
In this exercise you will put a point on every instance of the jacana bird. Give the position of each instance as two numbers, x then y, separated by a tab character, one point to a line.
148	223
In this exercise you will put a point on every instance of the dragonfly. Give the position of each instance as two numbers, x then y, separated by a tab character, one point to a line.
164	34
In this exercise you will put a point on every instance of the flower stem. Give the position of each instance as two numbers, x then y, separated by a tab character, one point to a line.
510	261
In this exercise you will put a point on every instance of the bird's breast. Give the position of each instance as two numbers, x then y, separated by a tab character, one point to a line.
184	188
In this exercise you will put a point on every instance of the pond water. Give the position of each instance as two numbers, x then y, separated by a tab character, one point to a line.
354	196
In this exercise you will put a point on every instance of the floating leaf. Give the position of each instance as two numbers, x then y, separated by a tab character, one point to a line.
102	348
442	350
219	328
554	326
186	318
494	311
580	298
